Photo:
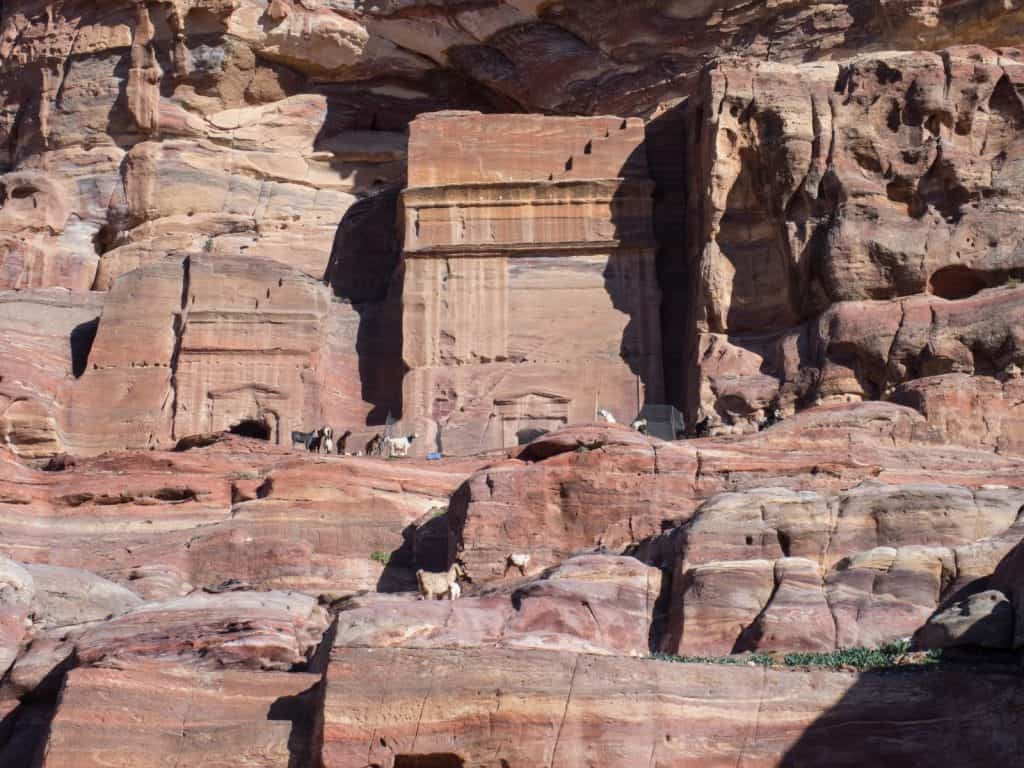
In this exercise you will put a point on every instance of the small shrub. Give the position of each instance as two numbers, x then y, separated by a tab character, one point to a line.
758	659
438	511
896	653
381	557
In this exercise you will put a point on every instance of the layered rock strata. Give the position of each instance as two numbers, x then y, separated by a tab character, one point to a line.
858	230
521	232
449	708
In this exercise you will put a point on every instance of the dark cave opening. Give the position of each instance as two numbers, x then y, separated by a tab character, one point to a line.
437	760
957	282
259	430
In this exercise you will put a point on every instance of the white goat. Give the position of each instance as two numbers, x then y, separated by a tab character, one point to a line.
434	586
517	560
397	447
606	415
454	591
640	425
326	444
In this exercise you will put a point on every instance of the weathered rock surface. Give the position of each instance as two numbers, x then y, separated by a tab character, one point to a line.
111	717
839	194
527	216
610	487
589	604
17	591
67	596
395	707
984	619
45	344
261	630
162	524
225	216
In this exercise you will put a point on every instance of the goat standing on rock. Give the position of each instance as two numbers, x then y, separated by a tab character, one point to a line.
343	441
397	447
326	441
434	586
517	560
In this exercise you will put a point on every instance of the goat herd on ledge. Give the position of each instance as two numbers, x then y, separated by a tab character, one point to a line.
321	441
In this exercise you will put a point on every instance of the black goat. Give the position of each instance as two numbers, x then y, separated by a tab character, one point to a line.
308	440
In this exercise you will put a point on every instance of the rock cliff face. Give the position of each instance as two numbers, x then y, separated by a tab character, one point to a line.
859	225
520	231
783	237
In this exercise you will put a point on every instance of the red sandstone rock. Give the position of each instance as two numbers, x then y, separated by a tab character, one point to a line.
615	492
162	523
17	591
890	173
260	630
589	604
111	717
852	232
530	217
390	706
45	340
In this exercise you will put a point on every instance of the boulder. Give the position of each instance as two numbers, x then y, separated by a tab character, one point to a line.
256	630
984	619
17	591
68	596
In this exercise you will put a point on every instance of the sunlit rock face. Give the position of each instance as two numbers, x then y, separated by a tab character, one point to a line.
226	221
858	228
530	297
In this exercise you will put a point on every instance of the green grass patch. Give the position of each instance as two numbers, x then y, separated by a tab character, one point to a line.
894	654
758	659
381	557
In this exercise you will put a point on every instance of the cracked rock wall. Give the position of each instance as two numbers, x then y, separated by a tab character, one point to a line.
858	227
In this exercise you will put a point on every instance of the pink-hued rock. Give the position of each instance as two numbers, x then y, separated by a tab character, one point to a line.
715	603
797	617
970	410
590	604
40	663
776	522
269	217
259	630
215	344
391	707
382	621
44	342
865	567
162	523
547	223
17	591
885	594
169	715
590	487
894	175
